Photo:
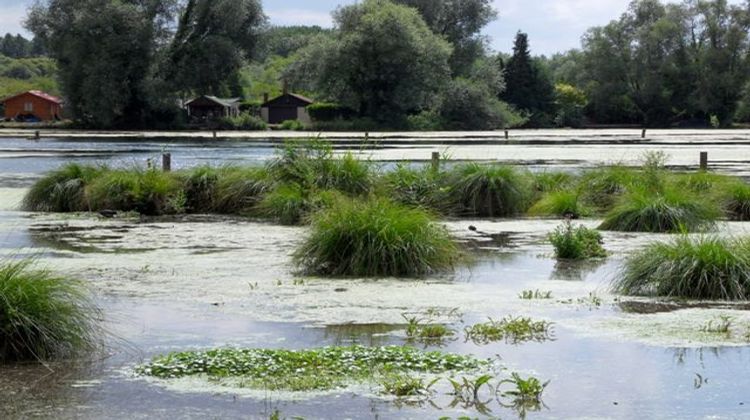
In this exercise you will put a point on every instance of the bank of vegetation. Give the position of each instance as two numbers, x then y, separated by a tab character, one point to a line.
386	64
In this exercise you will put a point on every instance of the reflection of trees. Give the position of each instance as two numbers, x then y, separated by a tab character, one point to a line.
575	270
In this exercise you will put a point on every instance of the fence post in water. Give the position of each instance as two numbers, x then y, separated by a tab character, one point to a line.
507	134
166	162
367	136
435	161
643	134
37	135
214	134
704	161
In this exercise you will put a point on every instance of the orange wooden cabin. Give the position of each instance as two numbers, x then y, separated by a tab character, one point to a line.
33	105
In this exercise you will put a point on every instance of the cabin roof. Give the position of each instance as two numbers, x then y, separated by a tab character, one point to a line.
303	99
39	94
225	102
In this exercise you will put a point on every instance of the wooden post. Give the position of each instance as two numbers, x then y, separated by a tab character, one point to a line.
643	134
367	136
704	161
149	163
37	135
166	162
435	161
507	134
214	134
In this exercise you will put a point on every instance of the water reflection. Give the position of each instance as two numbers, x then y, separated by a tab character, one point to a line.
576	270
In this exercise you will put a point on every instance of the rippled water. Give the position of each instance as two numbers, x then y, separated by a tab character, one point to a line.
197	282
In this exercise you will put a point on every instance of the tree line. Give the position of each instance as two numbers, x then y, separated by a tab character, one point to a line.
406	64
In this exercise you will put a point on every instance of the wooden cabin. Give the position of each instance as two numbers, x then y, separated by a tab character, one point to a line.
33	106
288	106
207	108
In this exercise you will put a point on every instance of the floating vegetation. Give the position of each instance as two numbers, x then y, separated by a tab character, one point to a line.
577	242
417	329
490	190
403	385
720	325
668	210
513	330
524	395
43	316
535	295
307	370
705	267
376	238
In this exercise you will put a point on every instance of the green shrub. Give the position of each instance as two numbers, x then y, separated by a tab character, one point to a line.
668	211
418	187
43	316
148	191
326	111
375	238
489	190
690	268
244	121
560	204
425	121
292	125
62	190
577	242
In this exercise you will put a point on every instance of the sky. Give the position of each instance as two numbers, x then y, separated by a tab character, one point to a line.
552	25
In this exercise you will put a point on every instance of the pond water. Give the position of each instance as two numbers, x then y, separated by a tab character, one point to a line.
173	284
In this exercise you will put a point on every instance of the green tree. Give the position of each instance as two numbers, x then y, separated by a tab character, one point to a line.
212	41
528	86
104	50
382	61
460	23
571	103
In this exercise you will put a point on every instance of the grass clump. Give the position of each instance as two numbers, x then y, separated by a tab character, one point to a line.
513	330
62	190
577	242
737	201
565	204
416	329
146	191
489	190
548	182
601	187
667	210
376	238
691	268
418	187
43	316
307	370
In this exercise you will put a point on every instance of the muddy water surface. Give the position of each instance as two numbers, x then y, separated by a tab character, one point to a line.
200	282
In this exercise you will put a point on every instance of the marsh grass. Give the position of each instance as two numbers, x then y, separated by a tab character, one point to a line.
489	190
229	189
577	242
535	295
376	238
567	204
513	330
668	210
307	370
43	316
721	325
146	191
736	201
418	187
549	182
62	190
524	395
601	187
403	385
705	267
288	204
425	331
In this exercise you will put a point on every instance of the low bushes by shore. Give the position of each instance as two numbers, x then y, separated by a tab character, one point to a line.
706	267
43	316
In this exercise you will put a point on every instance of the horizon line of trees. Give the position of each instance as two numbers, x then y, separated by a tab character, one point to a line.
417	64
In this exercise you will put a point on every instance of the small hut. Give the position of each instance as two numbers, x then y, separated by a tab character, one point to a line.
32	106
288	106
206	108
